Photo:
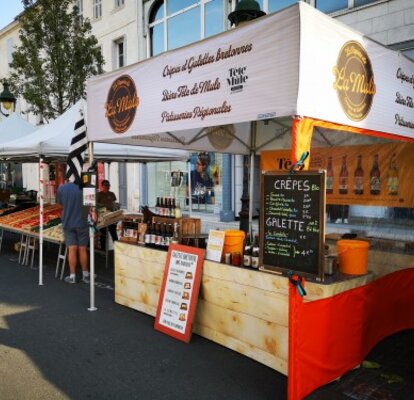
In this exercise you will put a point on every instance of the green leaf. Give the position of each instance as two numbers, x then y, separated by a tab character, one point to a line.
370	364
392	378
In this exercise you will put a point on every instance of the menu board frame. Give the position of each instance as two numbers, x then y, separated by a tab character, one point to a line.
284	264
176	254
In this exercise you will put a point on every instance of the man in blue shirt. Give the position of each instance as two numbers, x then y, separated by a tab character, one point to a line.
75	229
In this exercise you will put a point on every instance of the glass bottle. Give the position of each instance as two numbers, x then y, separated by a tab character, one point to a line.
343	177
359	177
255	252
375	177
329	177
147	237
161	207
392	177
178	213
247	252
157	206
175	238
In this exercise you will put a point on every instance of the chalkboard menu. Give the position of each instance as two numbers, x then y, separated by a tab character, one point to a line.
292	221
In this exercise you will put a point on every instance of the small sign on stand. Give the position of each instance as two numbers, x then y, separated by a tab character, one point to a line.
179	291
215	245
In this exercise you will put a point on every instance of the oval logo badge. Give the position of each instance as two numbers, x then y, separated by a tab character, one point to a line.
121	104
221	137
354	81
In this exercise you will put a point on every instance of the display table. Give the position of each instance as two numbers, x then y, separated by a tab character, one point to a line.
242	309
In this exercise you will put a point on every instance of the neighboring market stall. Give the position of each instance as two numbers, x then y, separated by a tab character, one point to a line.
51	144
285	81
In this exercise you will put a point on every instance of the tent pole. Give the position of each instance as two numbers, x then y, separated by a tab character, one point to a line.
251	177
190	197
91	246
41	182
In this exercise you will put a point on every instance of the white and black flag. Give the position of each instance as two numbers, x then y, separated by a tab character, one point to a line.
78	146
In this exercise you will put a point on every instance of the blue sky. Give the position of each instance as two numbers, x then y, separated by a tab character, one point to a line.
9	10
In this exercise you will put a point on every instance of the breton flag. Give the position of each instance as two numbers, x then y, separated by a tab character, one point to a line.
77	149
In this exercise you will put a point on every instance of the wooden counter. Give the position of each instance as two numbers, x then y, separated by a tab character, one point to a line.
242	309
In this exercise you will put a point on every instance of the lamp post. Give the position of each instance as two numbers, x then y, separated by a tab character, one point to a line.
7	100
245	10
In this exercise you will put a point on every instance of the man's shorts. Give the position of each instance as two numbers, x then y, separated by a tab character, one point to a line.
76	236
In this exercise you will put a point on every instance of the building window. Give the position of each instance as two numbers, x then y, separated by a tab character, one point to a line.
330	6
10	49
97	9
176	23
119	53
79	5
119	3
358	3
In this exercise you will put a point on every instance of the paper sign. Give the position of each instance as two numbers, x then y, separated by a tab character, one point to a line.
215	245
179	291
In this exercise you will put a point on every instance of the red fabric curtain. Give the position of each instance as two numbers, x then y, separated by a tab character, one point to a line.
331	336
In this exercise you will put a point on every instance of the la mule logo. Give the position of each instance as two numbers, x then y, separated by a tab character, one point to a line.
121	104
354	81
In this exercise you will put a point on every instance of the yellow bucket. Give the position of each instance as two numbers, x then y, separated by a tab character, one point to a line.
353	256
233	241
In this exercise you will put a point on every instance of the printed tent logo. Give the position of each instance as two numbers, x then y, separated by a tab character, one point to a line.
354	81
121	104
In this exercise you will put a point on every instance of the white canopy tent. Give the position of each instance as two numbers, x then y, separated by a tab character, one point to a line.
282	68
52	141
14	127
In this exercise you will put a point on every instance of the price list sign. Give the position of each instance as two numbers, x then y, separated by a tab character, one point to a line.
292	221
179	291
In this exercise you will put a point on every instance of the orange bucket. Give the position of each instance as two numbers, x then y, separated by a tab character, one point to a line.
353	256
233	241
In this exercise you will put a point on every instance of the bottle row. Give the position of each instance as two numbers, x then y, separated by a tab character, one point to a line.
375	182
251	252
168	207
161	235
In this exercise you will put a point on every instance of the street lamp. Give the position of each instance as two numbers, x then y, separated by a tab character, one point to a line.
7	100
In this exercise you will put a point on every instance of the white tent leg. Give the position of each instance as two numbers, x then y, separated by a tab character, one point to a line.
91	251
41	182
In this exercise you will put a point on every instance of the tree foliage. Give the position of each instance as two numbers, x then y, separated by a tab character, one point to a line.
56	56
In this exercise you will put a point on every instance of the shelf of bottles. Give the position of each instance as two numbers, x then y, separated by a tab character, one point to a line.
159	235
168	207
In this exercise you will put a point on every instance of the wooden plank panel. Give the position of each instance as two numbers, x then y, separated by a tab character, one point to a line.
138	292
254	353
267	305
134	304
267	336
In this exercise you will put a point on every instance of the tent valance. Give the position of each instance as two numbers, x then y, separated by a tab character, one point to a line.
295	62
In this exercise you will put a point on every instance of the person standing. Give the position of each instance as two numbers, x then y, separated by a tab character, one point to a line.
106	198
75	229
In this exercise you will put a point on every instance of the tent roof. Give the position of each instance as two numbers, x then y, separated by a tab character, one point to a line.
14	127
298	61
53	141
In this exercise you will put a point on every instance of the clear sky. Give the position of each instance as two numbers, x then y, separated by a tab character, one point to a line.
8	10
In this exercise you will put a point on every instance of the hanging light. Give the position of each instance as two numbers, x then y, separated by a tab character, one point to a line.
7	100
246	10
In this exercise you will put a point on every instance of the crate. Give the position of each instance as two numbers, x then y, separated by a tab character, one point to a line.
129	227
186	226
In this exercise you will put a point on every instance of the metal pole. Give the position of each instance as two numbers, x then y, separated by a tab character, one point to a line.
41	182
251	193
190	196
91	248
251	187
